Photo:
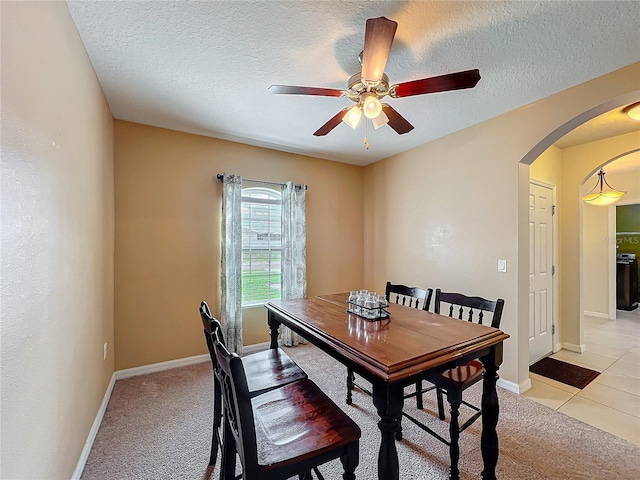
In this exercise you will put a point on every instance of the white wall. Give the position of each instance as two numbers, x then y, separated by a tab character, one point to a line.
57	242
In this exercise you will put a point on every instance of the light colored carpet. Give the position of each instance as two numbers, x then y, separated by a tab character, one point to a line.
159	426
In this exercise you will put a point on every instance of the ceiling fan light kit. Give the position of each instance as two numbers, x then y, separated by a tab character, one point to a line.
380	121
352	117
371	105
367	87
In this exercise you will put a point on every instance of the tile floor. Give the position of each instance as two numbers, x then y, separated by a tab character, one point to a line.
612	401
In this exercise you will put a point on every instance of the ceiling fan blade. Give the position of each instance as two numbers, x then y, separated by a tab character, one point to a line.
396	121
293	90
331	124
443	83
378	38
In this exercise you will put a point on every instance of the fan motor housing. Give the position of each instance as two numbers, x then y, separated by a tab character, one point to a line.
357	87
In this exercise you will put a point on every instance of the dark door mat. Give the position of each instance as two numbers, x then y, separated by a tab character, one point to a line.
564	372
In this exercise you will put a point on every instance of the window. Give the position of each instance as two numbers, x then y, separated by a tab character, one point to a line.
261	245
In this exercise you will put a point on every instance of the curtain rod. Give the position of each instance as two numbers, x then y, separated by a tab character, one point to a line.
220	176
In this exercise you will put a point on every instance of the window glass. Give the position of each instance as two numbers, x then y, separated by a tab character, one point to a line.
261	245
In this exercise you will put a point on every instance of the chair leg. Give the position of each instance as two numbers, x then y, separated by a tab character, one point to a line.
228	467
217	417
419	404
455	399
350	380
440	403
350	461
306	475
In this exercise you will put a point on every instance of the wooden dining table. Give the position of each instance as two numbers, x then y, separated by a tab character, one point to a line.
396	352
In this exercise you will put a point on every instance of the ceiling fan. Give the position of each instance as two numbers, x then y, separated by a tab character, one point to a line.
367	87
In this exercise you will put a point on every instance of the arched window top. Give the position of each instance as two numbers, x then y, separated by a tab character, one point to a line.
261	194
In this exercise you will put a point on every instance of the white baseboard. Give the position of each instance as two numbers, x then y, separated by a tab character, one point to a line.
574	348
514	387
120	374
596	314
159	367
134	372
77	473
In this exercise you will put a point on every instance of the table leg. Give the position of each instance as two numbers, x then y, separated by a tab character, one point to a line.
388	400
490	413
455	399
274	329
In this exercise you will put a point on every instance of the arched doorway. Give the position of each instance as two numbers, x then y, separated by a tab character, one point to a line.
599	233
570	267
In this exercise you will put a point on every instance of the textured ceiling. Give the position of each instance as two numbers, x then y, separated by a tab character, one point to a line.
610	124
205	67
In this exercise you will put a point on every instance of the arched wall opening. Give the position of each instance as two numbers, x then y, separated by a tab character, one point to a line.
569	271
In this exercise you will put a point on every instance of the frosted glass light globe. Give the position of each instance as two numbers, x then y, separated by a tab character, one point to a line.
371	106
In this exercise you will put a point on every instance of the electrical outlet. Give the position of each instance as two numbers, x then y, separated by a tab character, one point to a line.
105	351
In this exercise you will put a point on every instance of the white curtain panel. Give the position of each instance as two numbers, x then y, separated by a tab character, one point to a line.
231	274
294	251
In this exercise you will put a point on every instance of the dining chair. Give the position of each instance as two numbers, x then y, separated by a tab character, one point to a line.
457	379
284	432
265	371
410	296
413	297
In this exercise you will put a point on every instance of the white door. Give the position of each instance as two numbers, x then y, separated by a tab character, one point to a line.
540	271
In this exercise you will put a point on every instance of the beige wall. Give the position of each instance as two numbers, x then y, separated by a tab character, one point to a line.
595	251
445	212
167	234
57	242
628	181
548	167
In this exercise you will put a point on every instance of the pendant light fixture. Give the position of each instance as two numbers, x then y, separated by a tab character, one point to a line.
602	196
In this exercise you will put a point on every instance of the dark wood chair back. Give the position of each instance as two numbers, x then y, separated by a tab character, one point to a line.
312	431
410	296
237	404
212	328
455	380
211	325
264	371
467	308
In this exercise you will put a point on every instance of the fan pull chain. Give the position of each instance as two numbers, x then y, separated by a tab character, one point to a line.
366	128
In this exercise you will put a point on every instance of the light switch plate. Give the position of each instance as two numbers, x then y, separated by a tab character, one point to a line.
502	265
